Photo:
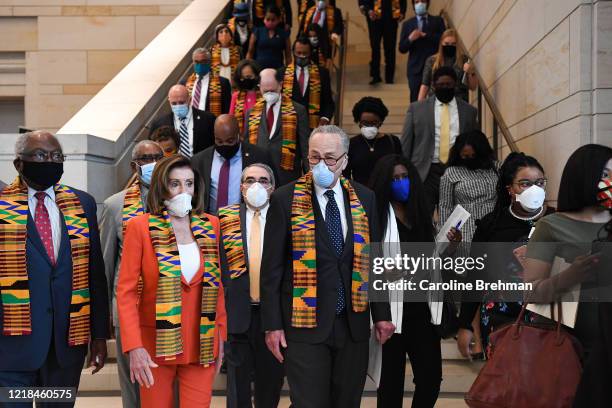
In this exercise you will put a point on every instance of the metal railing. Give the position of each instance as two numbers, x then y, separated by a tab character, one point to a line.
337	71
499	125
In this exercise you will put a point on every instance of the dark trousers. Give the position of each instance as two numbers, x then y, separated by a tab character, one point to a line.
414	83
432	184
248	358
330	374
49	375
422	344
384	30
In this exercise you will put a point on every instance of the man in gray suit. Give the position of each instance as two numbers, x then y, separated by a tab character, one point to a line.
288	149
431	127
118	210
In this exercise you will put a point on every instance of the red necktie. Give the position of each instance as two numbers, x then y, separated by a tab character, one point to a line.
301	81
317	16
270	119
197	92
43	225
222	191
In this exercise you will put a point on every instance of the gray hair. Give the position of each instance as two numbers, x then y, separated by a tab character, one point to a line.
262	166
22	140
334	130
199	50
143	143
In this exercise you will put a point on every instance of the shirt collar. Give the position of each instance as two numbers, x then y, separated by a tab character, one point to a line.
262	211
319	191
452	103
50	192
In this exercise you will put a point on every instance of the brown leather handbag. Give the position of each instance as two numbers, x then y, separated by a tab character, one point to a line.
530	366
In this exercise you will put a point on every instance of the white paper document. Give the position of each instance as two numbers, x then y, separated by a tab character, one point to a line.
458	217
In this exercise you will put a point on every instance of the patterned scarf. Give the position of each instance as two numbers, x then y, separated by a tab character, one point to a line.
289	129
314	93
232	239
216	62
169	342
395	6
14	289
305	255
214	92
329	18
239	109
132	203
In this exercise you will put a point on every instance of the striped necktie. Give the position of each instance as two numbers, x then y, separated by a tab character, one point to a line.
184	146
197	93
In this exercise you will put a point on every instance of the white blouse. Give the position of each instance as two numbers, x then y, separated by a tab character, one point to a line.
189	255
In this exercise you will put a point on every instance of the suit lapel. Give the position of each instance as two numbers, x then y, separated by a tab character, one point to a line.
243	233
432	118
34	237
461	114
348	240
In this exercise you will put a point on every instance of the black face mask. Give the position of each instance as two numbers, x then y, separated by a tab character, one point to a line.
472	163
227	151
241	22
302	61
247	83
449	51
42	175
445	95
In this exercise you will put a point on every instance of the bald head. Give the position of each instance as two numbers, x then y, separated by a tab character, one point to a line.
227	131
268	81
146	148
178	95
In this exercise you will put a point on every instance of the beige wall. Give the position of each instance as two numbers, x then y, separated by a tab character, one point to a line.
548	64
62	52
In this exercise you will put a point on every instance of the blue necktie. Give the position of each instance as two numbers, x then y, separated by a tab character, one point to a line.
334	228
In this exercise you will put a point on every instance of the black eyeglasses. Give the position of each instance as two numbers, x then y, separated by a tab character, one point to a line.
148	158
528	183
330	161
263	181
42	156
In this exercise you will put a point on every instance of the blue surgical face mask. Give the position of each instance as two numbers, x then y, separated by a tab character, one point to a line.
180	111
146	172
201	69
400	189
420	9
322	175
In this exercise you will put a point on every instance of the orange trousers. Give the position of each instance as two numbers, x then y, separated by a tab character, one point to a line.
194	385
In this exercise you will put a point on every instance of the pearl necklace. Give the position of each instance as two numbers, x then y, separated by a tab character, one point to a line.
526	218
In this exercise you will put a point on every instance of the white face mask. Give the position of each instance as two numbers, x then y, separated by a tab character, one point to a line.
256	195
369	132
531	199
179	205
271	97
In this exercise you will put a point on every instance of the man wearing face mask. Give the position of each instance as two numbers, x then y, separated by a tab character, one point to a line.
242	229
419	37
194	127
54	303
309	85
327	16
221	164
281	126
314	280
208	91
118	210
240	24
442	117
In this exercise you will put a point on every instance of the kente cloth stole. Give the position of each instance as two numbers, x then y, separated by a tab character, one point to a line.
132	203
303	5
395	8
231	24
289	129
214	91
231	233
314	95
14	289
305	256
216	62
169	342
239	109
329	18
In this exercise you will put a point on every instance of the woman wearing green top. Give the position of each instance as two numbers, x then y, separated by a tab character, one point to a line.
583	211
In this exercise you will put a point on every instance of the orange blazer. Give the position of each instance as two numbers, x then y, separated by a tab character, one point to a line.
137	316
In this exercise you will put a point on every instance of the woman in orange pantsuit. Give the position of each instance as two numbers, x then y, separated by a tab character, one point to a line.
173	327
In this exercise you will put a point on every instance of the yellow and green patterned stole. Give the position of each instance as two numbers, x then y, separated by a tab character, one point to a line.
329	18
216	62
214	92
132	203
14	289
304	313
239	109
289	129
395	6
169	342
314	96
229	217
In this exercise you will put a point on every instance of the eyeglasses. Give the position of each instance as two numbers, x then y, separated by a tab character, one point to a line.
148	158
42	156
330	161
263	181
528	183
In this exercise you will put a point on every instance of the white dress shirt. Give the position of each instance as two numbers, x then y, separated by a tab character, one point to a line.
277	108
243	33
298	70
454	126
322	17
262	222
203	91
339	196
225	71
188	123
54	215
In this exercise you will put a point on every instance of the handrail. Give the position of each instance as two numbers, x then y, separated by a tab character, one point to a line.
498	120
339	70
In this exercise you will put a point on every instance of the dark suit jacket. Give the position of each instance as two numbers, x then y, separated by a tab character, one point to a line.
226	92
274	144
50	295
250	154
328	106
423	47
203	128
418	136
277	270
387	8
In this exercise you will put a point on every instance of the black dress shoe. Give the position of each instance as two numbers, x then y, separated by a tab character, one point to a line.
375	81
